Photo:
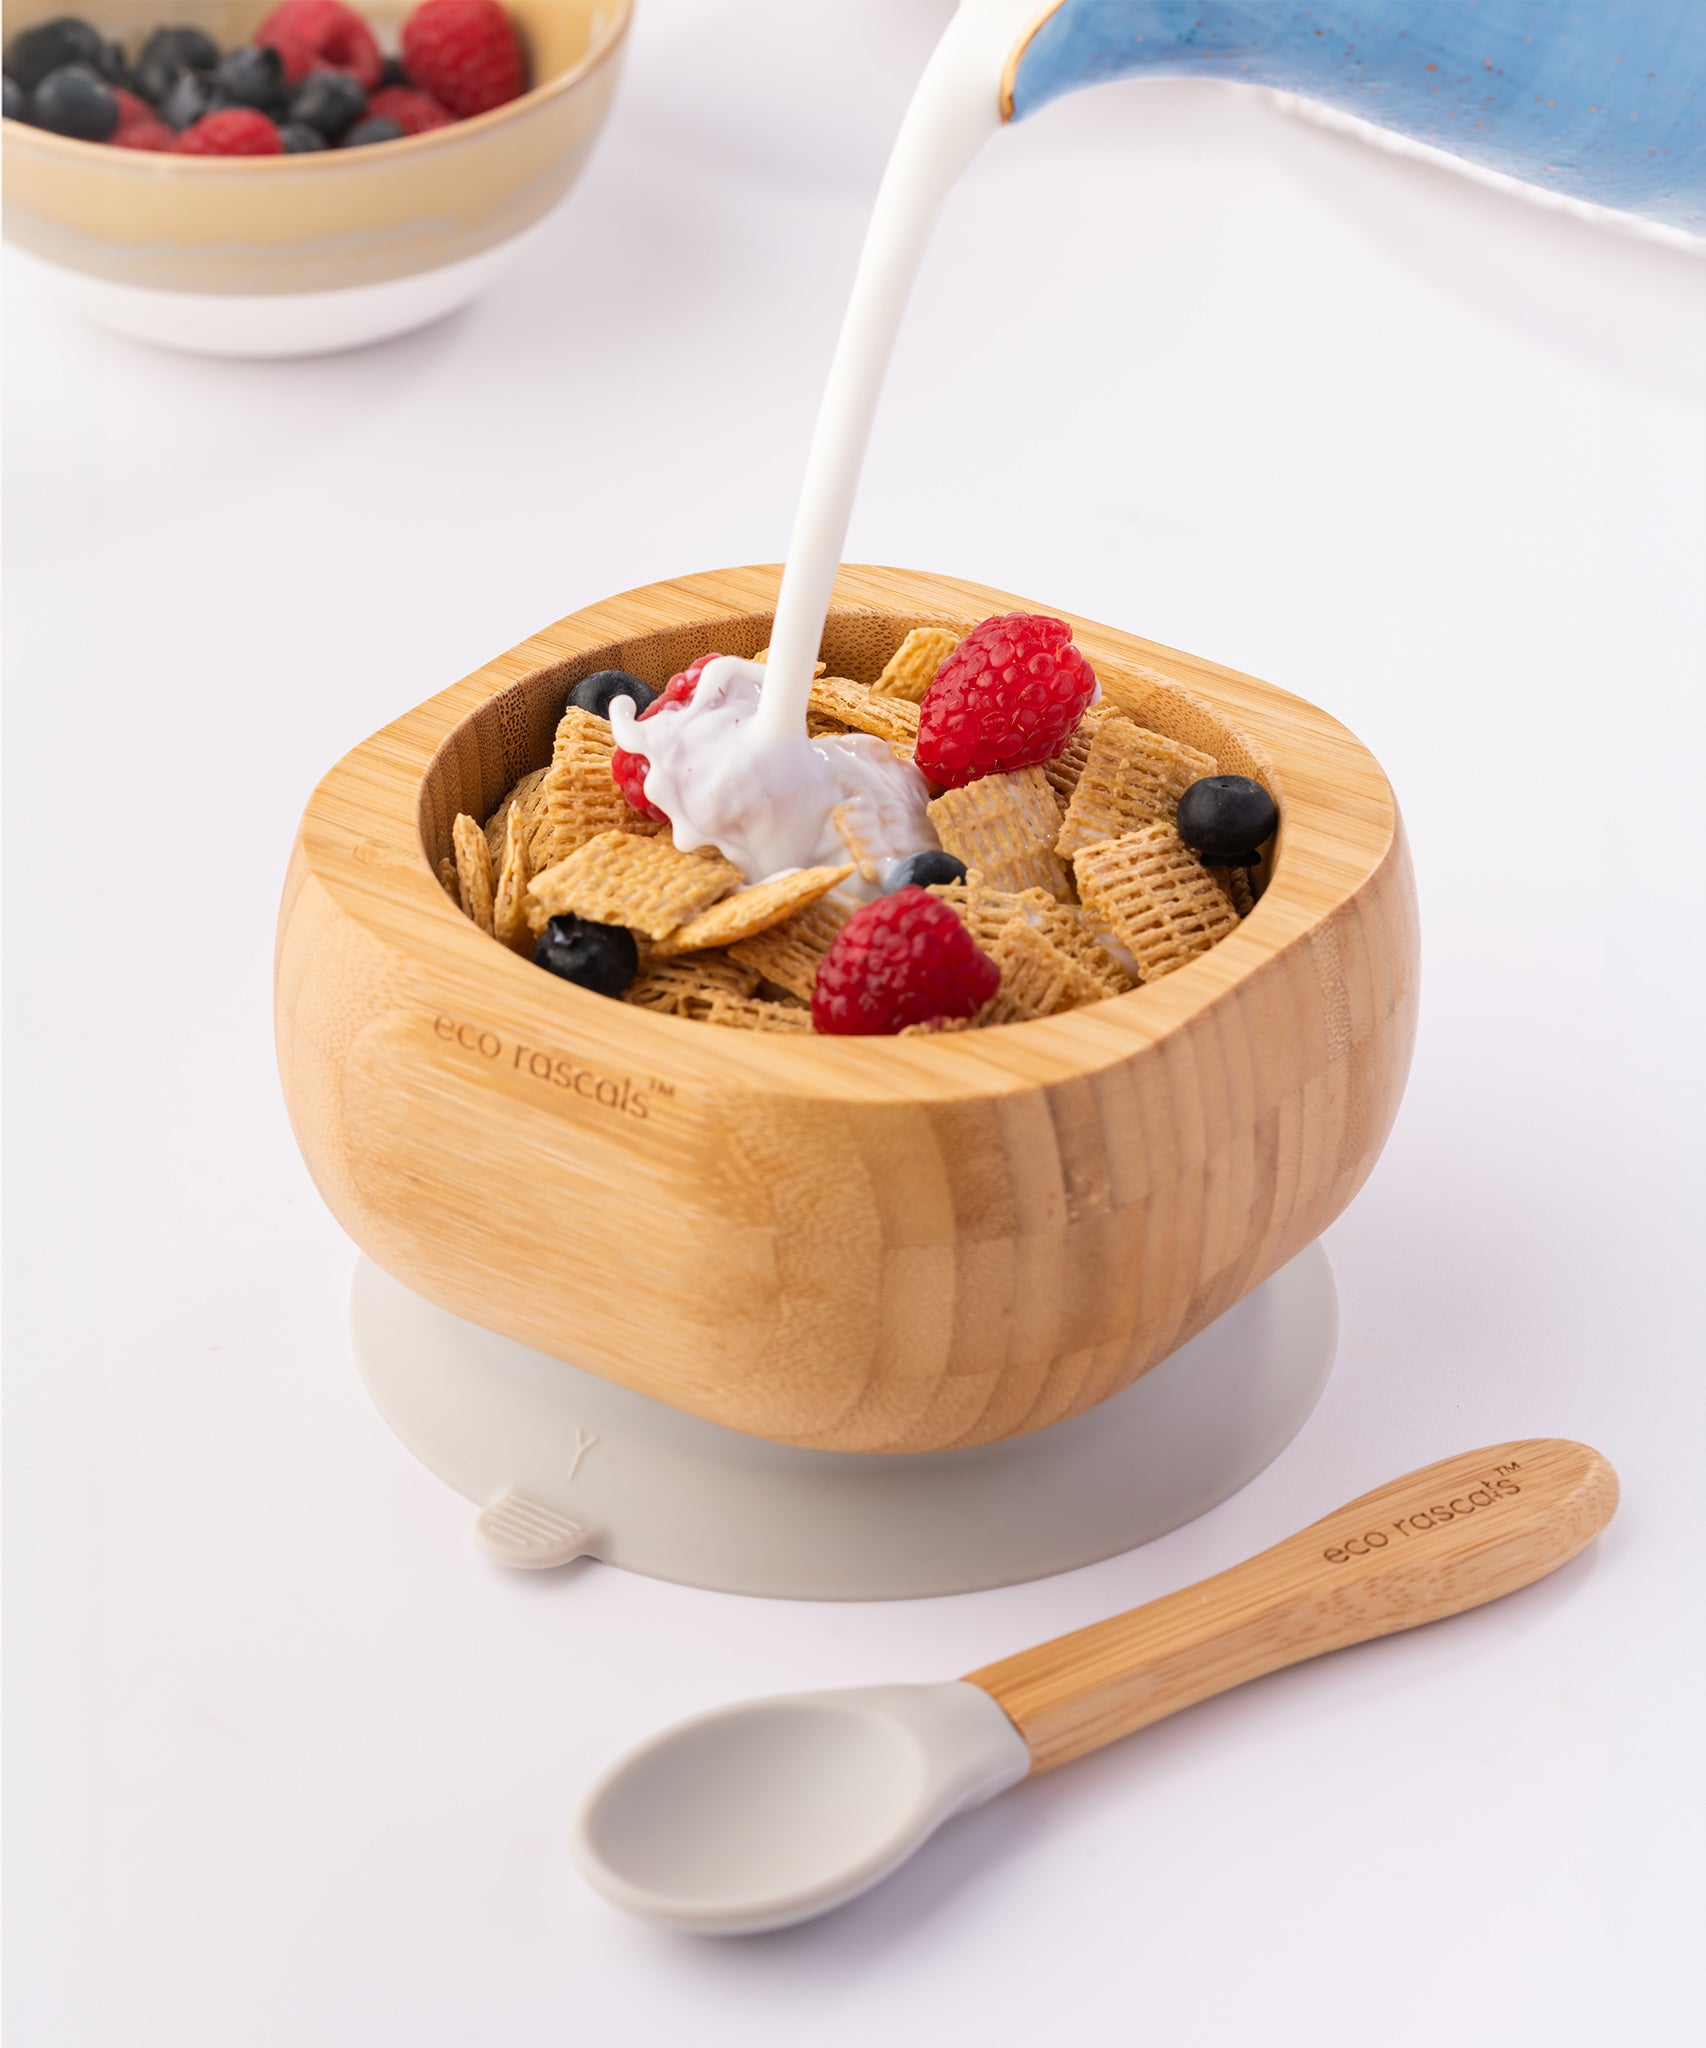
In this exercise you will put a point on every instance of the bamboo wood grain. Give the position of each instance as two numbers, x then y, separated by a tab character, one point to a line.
860	1245
1449	1537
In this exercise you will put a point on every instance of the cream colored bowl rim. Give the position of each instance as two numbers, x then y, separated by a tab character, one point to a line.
310	162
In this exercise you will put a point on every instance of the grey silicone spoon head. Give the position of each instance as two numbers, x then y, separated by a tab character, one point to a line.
772	1811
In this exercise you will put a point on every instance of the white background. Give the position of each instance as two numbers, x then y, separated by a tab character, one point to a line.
288	1763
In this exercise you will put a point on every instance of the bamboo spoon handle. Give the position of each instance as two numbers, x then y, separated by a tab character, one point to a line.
1444	1539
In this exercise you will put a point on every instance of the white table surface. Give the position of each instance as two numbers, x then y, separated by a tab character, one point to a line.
288	1763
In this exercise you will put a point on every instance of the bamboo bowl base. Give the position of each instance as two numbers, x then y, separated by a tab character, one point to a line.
564	1464
849	1245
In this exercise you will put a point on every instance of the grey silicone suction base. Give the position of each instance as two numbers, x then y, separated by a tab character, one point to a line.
565	1464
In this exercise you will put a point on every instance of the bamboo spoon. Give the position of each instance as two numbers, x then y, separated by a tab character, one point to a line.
765	1813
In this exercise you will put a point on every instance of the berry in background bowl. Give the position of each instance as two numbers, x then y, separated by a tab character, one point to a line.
254	181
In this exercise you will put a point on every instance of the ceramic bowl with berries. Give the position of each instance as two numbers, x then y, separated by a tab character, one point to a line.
284	180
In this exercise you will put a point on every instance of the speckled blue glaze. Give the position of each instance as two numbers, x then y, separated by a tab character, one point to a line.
1603	101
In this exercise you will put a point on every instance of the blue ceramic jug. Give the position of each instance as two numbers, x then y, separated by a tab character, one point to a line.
1603	100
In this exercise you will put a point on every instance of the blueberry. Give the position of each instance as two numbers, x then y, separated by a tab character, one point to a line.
601	957
191	95
593	693
74	101
167	55
330	101
49	46
394	73
296	138
926	871
16	102
1226	818
253	76
376	130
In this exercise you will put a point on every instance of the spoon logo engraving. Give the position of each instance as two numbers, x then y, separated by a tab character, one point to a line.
583	1444
1497	1486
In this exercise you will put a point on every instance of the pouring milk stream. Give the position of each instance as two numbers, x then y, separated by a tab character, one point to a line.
734	769
1606	105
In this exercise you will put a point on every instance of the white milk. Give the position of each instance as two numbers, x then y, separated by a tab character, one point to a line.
955	110
743	772
700	771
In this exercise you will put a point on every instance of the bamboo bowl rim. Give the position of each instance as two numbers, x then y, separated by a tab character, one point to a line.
601	46
364	838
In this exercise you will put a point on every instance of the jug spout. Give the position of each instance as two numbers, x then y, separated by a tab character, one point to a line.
1605	103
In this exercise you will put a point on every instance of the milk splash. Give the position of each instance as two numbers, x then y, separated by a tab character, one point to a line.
768	806
734	769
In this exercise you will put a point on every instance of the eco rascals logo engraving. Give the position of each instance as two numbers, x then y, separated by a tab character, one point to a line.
620	1094
1499	1484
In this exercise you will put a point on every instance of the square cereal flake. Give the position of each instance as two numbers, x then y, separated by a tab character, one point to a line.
1006	826
790	953
644	884
912	667
750	911
509	902
687	988
751	1013
1130	777
853	705
1154	898
579	797
473	869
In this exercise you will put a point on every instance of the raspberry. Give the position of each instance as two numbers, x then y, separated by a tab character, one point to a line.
413	111
629	770
1010	695
300	58
148	134
905	959
234	131
310	33
139	127
464	53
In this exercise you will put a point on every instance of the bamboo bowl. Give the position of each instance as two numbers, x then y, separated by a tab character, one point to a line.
859	1245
